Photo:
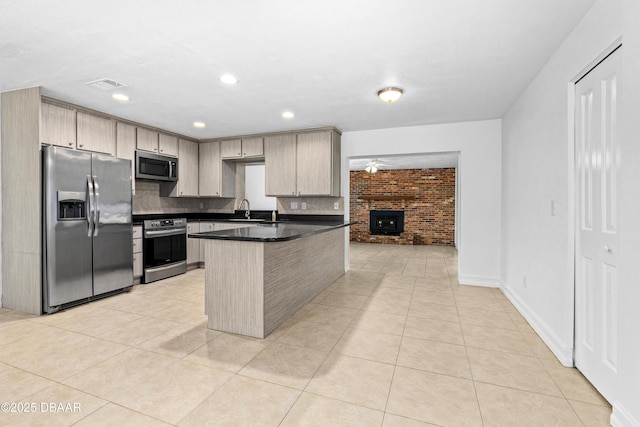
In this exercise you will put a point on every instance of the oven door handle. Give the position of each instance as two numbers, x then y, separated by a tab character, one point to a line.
162	233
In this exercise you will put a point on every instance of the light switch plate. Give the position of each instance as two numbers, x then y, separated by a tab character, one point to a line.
294	205
304	205
336	205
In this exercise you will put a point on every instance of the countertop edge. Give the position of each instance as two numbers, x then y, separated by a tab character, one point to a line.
211	235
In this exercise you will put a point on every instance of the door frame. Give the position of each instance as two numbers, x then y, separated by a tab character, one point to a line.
570	317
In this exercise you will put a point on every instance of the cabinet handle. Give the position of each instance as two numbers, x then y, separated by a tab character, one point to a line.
81	145
71	144
239	154
162	151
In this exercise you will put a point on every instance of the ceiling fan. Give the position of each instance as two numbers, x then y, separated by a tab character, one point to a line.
372	166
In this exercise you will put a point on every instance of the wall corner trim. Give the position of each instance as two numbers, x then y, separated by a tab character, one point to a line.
620	417
563	352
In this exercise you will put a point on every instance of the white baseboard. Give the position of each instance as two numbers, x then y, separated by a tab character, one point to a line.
487	282
563	352
620	417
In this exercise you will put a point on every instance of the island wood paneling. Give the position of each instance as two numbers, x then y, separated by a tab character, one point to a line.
234	286
254	287
21	201
296	271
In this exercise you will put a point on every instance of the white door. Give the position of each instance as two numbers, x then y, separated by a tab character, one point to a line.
598	165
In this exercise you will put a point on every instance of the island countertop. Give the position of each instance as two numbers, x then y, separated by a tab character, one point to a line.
270	231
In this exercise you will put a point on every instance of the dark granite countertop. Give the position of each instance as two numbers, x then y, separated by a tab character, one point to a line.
271	231
223	217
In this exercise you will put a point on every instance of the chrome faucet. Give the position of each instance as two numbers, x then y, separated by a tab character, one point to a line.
247	213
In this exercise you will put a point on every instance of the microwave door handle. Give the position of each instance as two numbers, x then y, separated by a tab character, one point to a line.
170	169
89	209
97	209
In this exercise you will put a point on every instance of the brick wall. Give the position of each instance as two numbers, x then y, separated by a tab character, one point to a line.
427	197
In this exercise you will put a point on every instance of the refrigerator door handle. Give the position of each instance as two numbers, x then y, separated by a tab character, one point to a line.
89	210
96	224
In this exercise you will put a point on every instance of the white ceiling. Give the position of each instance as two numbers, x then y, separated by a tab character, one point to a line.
413	161
457	60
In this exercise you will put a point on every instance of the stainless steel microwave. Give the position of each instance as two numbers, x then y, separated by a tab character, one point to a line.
156	167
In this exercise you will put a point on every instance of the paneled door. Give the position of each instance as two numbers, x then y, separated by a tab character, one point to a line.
596	261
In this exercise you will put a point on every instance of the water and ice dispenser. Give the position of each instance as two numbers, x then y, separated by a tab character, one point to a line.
72	205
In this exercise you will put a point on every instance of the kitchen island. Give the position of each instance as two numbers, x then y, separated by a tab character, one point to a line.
257	277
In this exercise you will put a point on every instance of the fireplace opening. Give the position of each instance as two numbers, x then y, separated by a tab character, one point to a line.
386	222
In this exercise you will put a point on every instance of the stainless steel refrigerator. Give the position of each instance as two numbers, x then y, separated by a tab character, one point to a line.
87	230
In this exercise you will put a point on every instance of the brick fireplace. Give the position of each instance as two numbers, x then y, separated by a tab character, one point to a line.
426	197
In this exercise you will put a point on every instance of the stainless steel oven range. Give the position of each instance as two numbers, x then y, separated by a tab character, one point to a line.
164	248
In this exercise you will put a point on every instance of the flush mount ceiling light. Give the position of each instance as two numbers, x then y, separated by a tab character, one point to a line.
288	115
228	79
198	125
390	94
372	166
120	97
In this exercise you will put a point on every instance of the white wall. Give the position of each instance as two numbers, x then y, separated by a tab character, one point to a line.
537	165
254	188
479	145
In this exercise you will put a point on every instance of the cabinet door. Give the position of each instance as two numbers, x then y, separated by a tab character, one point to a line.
231	149
168	145
187	168
209	169
204	227
58	126
314	164
252	147
280	165
147	140
126	148
193	245
96	134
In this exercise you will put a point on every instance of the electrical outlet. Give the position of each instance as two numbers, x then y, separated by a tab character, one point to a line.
294	205
303	205
336	205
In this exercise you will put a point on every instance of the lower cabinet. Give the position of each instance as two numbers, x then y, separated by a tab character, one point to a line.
215	226
193	245
137	252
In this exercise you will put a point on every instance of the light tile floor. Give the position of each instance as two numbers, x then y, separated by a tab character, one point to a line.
394	342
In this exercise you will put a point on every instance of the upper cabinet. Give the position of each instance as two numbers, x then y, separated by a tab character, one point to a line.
147	140
126	148
58	125
155	142
168	145
318	164
305	164
216	178
280	165
187	184
241	148
96	134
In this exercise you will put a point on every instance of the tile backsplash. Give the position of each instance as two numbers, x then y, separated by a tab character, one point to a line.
147	200
314	205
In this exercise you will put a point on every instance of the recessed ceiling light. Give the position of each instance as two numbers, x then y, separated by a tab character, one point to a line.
228	79
120	97
390	94
198	125
288	115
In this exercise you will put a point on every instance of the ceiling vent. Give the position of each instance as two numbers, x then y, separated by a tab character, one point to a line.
106	84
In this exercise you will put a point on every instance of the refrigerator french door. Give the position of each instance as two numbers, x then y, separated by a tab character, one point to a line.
87	235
